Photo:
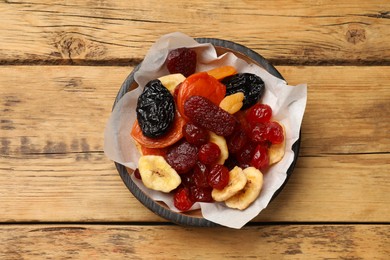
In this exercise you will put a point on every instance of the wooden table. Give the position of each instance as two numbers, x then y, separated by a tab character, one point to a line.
62	63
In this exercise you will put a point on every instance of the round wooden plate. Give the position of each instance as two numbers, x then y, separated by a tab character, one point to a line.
194	218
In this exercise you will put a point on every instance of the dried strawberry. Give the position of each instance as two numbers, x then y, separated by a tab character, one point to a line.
182	157
203	112
182	60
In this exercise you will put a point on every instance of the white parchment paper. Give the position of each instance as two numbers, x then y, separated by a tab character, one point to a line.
288	104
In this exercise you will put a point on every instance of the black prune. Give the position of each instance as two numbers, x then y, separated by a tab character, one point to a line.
155	109
250	84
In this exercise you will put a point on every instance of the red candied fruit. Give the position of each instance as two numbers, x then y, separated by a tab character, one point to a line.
187	179
260	159
194	134
258	132
218	177
236	141
209	153
244	156
200	194
181	199
205	113
275	133
200	174
182	157
182	60
259	113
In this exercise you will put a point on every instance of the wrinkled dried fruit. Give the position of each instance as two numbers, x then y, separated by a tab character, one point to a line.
259	113
258	133
200	194
260	159
218	177
236	141
181	199
244	156
200	174
194	134
187	179
275	133
182	157
203	112
250	84
199	84
209	153
155	109
181	60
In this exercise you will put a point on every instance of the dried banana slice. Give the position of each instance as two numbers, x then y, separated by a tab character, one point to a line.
171	81
221	142
157	174
232	103
242	199
276	151
237	181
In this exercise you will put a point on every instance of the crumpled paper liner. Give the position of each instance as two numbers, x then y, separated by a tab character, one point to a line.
288	104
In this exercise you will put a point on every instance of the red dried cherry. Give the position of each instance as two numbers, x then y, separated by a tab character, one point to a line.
244	156
187	179
209	153
181	199
275	133
258	132
236	141
200	174
218	177
200	194
259	113
260	159
194	134
182	60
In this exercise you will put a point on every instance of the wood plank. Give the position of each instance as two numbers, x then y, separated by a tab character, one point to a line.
120	32
52	136
63	187
147	242
68	112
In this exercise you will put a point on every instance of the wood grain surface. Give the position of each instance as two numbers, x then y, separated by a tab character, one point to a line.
62	64
118	32
150	242
52	147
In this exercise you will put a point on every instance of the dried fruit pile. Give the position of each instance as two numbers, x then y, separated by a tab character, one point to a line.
205	136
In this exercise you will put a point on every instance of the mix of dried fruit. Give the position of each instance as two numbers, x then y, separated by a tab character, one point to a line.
205	136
